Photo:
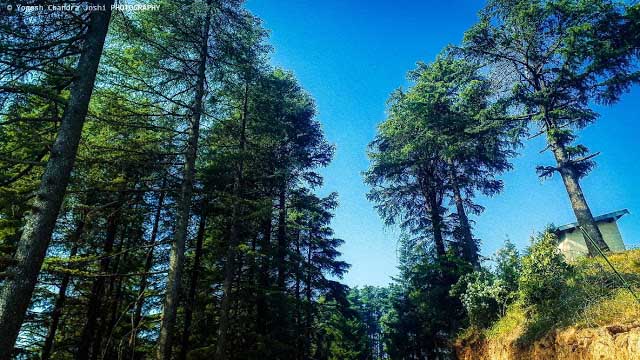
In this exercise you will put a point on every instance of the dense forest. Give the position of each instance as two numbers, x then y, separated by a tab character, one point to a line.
159	181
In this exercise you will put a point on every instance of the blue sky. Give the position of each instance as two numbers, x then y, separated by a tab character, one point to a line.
350	54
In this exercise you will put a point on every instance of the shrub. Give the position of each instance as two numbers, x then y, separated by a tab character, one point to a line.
544	274
485	295
508	266
507	274
477	293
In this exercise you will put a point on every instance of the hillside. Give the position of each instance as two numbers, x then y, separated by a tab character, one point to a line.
597	318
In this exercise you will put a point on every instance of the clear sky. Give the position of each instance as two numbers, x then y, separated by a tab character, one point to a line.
350	54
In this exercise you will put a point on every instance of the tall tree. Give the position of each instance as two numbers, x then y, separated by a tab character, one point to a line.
287	144
18	287
75	237
439	141
557	57
453	101
407	179
179	71
176	262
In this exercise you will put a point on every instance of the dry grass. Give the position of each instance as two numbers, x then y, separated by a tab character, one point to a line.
606	298
508	327
595	297
621	307
624	262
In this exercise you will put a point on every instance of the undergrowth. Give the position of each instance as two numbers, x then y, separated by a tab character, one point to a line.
588	294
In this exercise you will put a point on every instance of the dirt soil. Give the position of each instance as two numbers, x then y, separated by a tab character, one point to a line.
615	342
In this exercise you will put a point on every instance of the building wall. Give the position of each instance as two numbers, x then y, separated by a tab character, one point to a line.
573	245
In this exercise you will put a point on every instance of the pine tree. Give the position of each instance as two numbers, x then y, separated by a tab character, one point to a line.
18	287
556	58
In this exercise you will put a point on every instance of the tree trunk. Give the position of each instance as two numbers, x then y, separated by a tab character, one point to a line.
176	259
113	322
307	329
576	197
282	236
193	286
298	347
17	289
148	263
436	223
280	307
230	264
95	300
263	277
469	247
114	292
47	348
238	282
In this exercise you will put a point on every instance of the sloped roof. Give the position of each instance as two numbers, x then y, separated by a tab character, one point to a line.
612	216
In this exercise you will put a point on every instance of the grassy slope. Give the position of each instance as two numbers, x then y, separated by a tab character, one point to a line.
594	297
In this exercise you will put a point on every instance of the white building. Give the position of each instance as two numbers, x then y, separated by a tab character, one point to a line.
572	243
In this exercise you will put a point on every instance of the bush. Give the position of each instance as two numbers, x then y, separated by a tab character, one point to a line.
507	274
485	295
544	274
477	293
508	265
549	294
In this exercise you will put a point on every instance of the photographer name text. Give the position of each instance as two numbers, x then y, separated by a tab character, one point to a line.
77	8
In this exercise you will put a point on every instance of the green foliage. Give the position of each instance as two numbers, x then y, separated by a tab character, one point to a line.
415	323
446	140
258	155
486	294
587	295
508	266
437	144
553	57
479	295
372	304
341	334
544	273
